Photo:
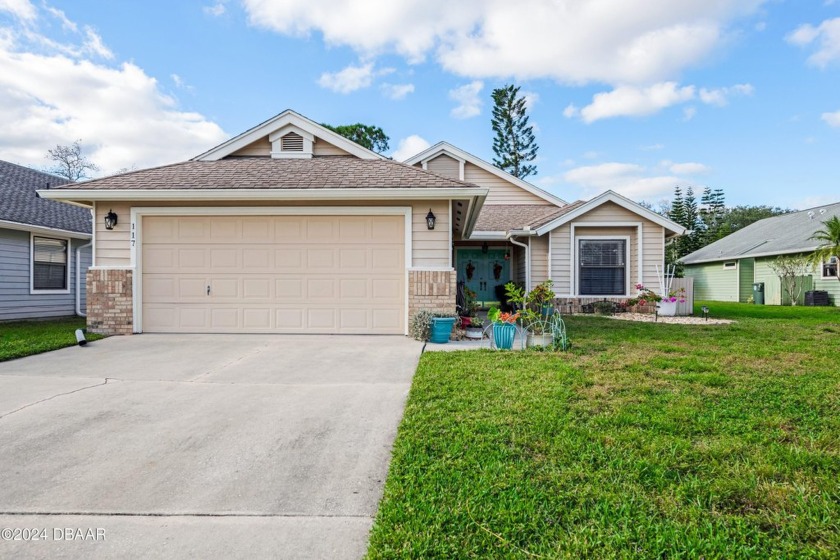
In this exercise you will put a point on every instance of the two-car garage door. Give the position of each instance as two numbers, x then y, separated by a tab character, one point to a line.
284	274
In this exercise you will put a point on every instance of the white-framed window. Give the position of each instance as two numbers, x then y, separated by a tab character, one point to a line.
829	268
49	265
730	265
602	266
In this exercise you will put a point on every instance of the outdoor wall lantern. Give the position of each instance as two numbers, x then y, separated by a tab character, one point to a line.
430	219
110	220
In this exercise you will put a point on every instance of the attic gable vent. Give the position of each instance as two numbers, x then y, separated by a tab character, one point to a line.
291	142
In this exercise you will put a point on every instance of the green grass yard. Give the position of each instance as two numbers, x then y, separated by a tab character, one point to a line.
25	338
645	441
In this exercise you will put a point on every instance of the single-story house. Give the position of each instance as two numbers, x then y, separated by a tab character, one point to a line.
291	228
44	248
726	269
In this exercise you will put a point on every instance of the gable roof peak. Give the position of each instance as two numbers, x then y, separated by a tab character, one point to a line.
286	119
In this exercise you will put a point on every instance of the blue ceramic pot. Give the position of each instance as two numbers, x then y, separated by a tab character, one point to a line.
503	334
441	329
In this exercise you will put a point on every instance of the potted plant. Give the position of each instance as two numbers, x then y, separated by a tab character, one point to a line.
504	327
537	309
475	330
645	298
668	304
470	307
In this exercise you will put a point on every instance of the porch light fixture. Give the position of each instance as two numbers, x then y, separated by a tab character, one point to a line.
110	220
430	219
484	248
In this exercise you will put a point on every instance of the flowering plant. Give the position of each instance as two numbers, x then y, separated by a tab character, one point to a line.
675	295
495	315
645	296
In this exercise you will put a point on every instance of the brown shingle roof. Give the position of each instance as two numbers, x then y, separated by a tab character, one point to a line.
507	217
268	173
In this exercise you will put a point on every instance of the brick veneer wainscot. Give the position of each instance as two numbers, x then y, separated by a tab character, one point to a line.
431	289
109	301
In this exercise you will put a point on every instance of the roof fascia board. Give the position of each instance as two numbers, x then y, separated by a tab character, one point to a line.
285	118
5	224
264	194
610	196
459	154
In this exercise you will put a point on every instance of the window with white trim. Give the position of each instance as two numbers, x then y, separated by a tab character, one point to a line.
602	265
829	268
50	259
730	265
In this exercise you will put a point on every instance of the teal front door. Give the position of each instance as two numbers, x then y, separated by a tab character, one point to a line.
482	272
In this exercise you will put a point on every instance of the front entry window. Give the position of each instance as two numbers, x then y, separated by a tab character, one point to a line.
602	267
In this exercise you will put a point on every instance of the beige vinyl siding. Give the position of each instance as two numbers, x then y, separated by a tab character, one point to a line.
713	282
746	271
539	260
501	191
653	239
113	248
430	247
561	261
324	148
260	148
445	165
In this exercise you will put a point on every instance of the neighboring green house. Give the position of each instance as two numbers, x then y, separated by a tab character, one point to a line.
726	269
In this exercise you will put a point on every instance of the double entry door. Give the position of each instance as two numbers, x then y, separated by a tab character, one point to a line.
482	272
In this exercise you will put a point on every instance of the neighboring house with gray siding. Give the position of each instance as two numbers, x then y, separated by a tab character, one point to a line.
726	269
43	244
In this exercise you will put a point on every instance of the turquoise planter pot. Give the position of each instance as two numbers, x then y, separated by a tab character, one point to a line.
503	334
441	329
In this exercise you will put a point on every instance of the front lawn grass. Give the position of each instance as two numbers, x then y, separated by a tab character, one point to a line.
645	441
25	338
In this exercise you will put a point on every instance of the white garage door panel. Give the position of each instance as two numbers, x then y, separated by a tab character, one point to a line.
325	274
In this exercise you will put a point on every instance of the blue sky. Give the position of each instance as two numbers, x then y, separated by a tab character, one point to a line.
637	96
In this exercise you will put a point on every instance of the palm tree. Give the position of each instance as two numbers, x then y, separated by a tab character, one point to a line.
829	238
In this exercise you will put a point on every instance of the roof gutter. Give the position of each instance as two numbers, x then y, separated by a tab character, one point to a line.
79	278
752	256
264	194
527	260
44	230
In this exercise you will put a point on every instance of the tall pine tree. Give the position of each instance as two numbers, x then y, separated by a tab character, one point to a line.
514	143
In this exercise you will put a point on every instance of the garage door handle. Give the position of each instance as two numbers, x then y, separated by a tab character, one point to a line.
208	289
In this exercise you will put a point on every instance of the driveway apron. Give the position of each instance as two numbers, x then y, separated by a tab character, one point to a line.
200	446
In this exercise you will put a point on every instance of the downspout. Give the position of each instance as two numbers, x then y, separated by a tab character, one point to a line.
527	260
78	279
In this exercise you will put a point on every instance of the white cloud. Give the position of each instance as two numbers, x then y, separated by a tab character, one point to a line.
531	99
397	91
632	180
720	96
570	111
469	103
652	147
633	101
62	17
687	168
826	34
22	9
52	93
93	45
349	79
831	119
410	146
689	113
215	10
629	42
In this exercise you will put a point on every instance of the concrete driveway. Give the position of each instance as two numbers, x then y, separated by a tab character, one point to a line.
200	446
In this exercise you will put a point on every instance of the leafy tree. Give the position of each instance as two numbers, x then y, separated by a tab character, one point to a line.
371	137
69	162
514	143
790	269
829	238
712	212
